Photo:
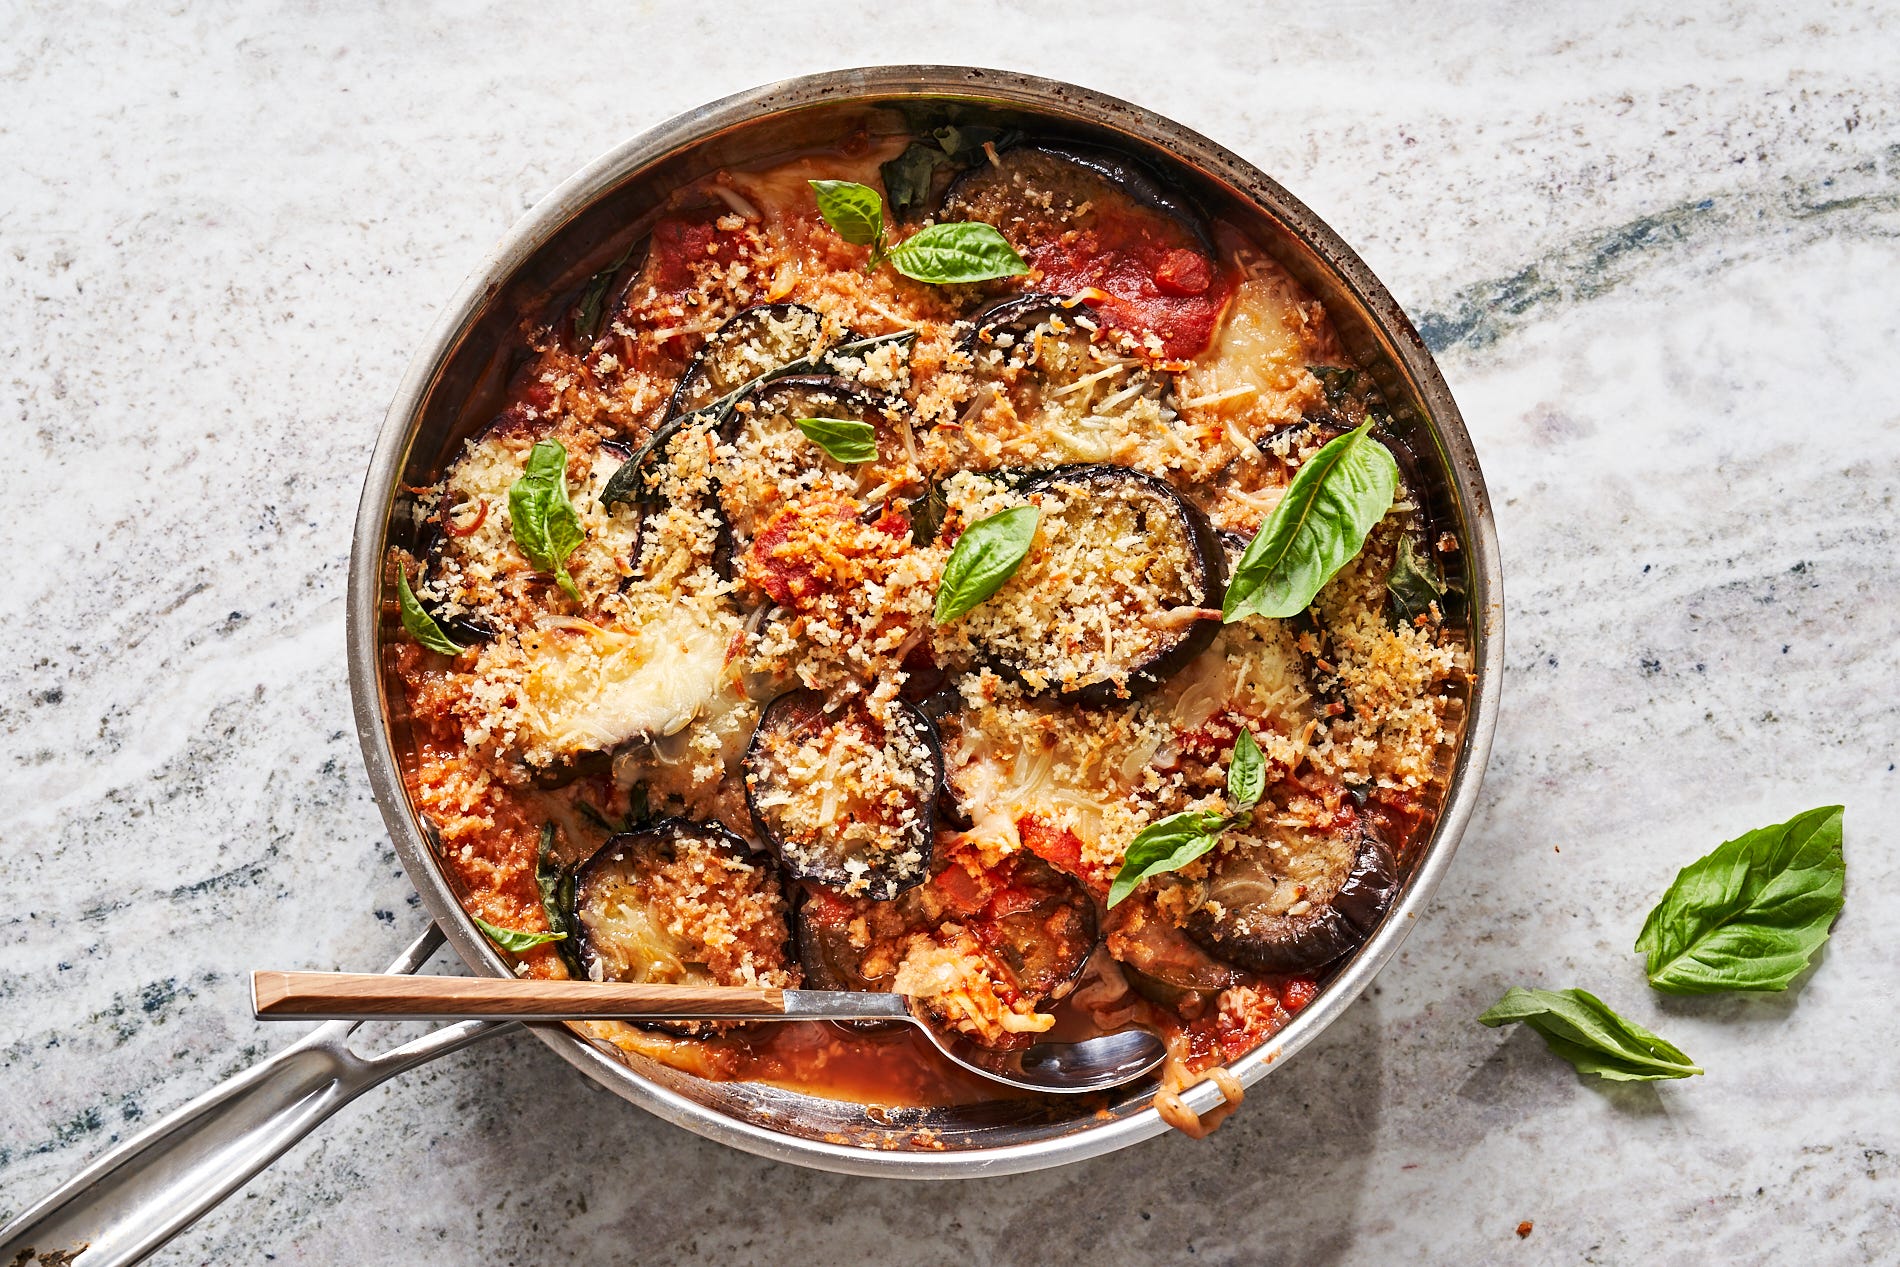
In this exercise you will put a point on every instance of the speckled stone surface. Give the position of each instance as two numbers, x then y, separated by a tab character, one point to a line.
1657	251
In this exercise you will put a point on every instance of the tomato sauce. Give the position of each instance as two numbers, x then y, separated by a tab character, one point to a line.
1150	281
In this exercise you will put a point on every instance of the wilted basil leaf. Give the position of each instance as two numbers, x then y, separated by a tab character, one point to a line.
1335	380
985	556
926	514
844	439
1413	584
1751	914
510	939
594	296
948	254
1318	528
420	624
965	143
907	177
854	211
556	884
546	526
1246	774
1581	1028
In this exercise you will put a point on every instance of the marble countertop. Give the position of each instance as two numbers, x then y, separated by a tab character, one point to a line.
1656	251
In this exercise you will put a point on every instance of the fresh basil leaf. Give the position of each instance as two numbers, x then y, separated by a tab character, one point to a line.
420	624
907	178
1167	845
985	556
963	251
1246	774
556	884
1581	1028
844	439
1751	914
855	212
546	526
1413	584
510	939
594	296
1318	528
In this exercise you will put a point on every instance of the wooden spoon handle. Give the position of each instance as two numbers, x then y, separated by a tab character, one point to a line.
374	996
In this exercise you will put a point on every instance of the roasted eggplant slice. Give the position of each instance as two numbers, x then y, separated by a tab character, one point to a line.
476	583
1122	588
1311	641
774	460
1074	395
1296	901
682	903
1068	177
1090	221
1170	964
846	798
754	342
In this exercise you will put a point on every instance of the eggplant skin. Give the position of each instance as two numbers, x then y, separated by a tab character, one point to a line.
1269	943
1091	166
1211	582
800	714
624	930
703	382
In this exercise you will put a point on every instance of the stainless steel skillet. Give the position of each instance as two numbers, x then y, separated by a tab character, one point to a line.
150	1187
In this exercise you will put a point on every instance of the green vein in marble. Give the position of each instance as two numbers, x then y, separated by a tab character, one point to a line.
1852	202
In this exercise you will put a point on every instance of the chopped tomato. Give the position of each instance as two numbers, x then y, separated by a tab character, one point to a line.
792	558
1182	273
683	243
1297	993
1152	283
963	889
1061	849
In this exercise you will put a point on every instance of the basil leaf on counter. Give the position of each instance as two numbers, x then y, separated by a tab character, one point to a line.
1413	585
1318	528
907	177
842	438
1167	845
1751	914
985	556
420	624
855	212
509	939
962	251
1246	774
546	526
1581	1028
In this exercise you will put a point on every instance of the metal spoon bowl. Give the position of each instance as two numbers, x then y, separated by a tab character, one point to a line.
1052	1068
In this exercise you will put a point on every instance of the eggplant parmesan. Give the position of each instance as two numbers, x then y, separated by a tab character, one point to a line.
814	623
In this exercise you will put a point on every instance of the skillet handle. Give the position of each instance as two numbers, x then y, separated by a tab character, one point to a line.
129	1202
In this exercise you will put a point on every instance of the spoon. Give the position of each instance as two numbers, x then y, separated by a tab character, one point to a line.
1094	1064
